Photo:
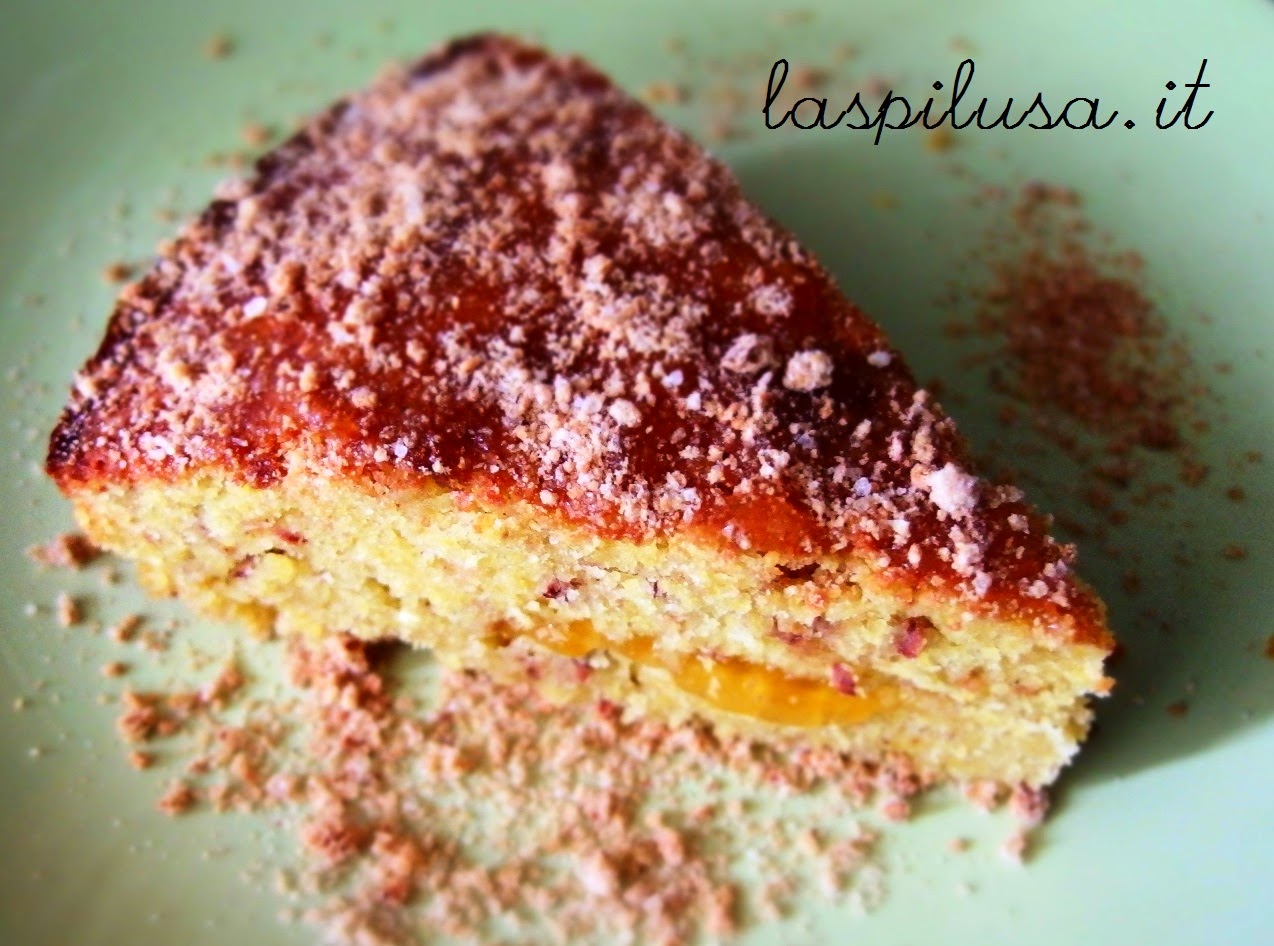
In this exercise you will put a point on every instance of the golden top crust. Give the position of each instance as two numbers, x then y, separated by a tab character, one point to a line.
496	271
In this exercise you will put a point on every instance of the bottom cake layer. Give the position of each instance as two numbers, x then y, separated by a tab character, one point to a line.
673	628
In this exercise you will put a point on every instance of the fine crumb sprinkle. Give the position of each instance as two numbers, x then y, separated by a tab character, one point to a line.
122	631
256	134
983	794
114	669
663	93
141	760
939	140
68	610
1234	552
118	272
1016	847
177	799
1083	364
218	46
1193	473
1178	709
1079	335
807	78
69	550
1077	330
792	17
1269	647
896	809
1028	805
1130	581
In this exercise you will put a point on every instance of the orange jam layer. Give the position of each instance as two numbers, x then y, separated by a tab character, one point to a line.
732	684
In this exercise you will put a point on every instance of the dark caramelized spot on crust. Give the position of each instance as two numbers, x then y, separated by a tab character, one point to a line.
497	271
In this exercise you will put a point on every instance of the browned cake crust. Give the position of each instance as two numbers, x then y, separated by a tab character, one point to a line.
497	272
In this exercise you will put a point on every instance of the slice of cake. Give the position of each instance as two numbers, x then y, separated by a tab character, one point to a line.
489	359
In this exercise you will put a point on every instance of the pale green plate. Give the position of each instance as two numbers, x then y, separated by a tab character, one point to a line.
1165	831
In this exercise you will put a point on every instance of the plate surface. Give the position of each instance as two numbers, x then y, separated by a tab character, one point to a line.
1165	828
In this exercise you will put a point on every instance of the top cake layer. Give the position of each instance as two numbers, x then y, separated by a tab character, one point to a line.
497	272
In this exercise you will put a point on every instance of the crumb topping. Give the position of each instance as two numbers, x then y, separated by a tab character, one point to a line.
808	371
952	490
495	270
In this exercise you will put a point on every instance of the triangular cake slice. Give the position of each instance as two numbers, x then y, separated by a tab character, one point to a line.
489	359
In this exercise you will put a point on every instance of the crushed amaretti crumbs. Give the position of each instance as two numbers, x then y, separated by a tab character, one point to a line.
118	272
68	610
68	550
1087	372
256	134
122	631
492	814
218	46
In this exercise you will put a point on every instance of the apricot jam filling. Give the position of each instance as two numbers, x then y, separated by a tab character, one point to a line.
731	684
